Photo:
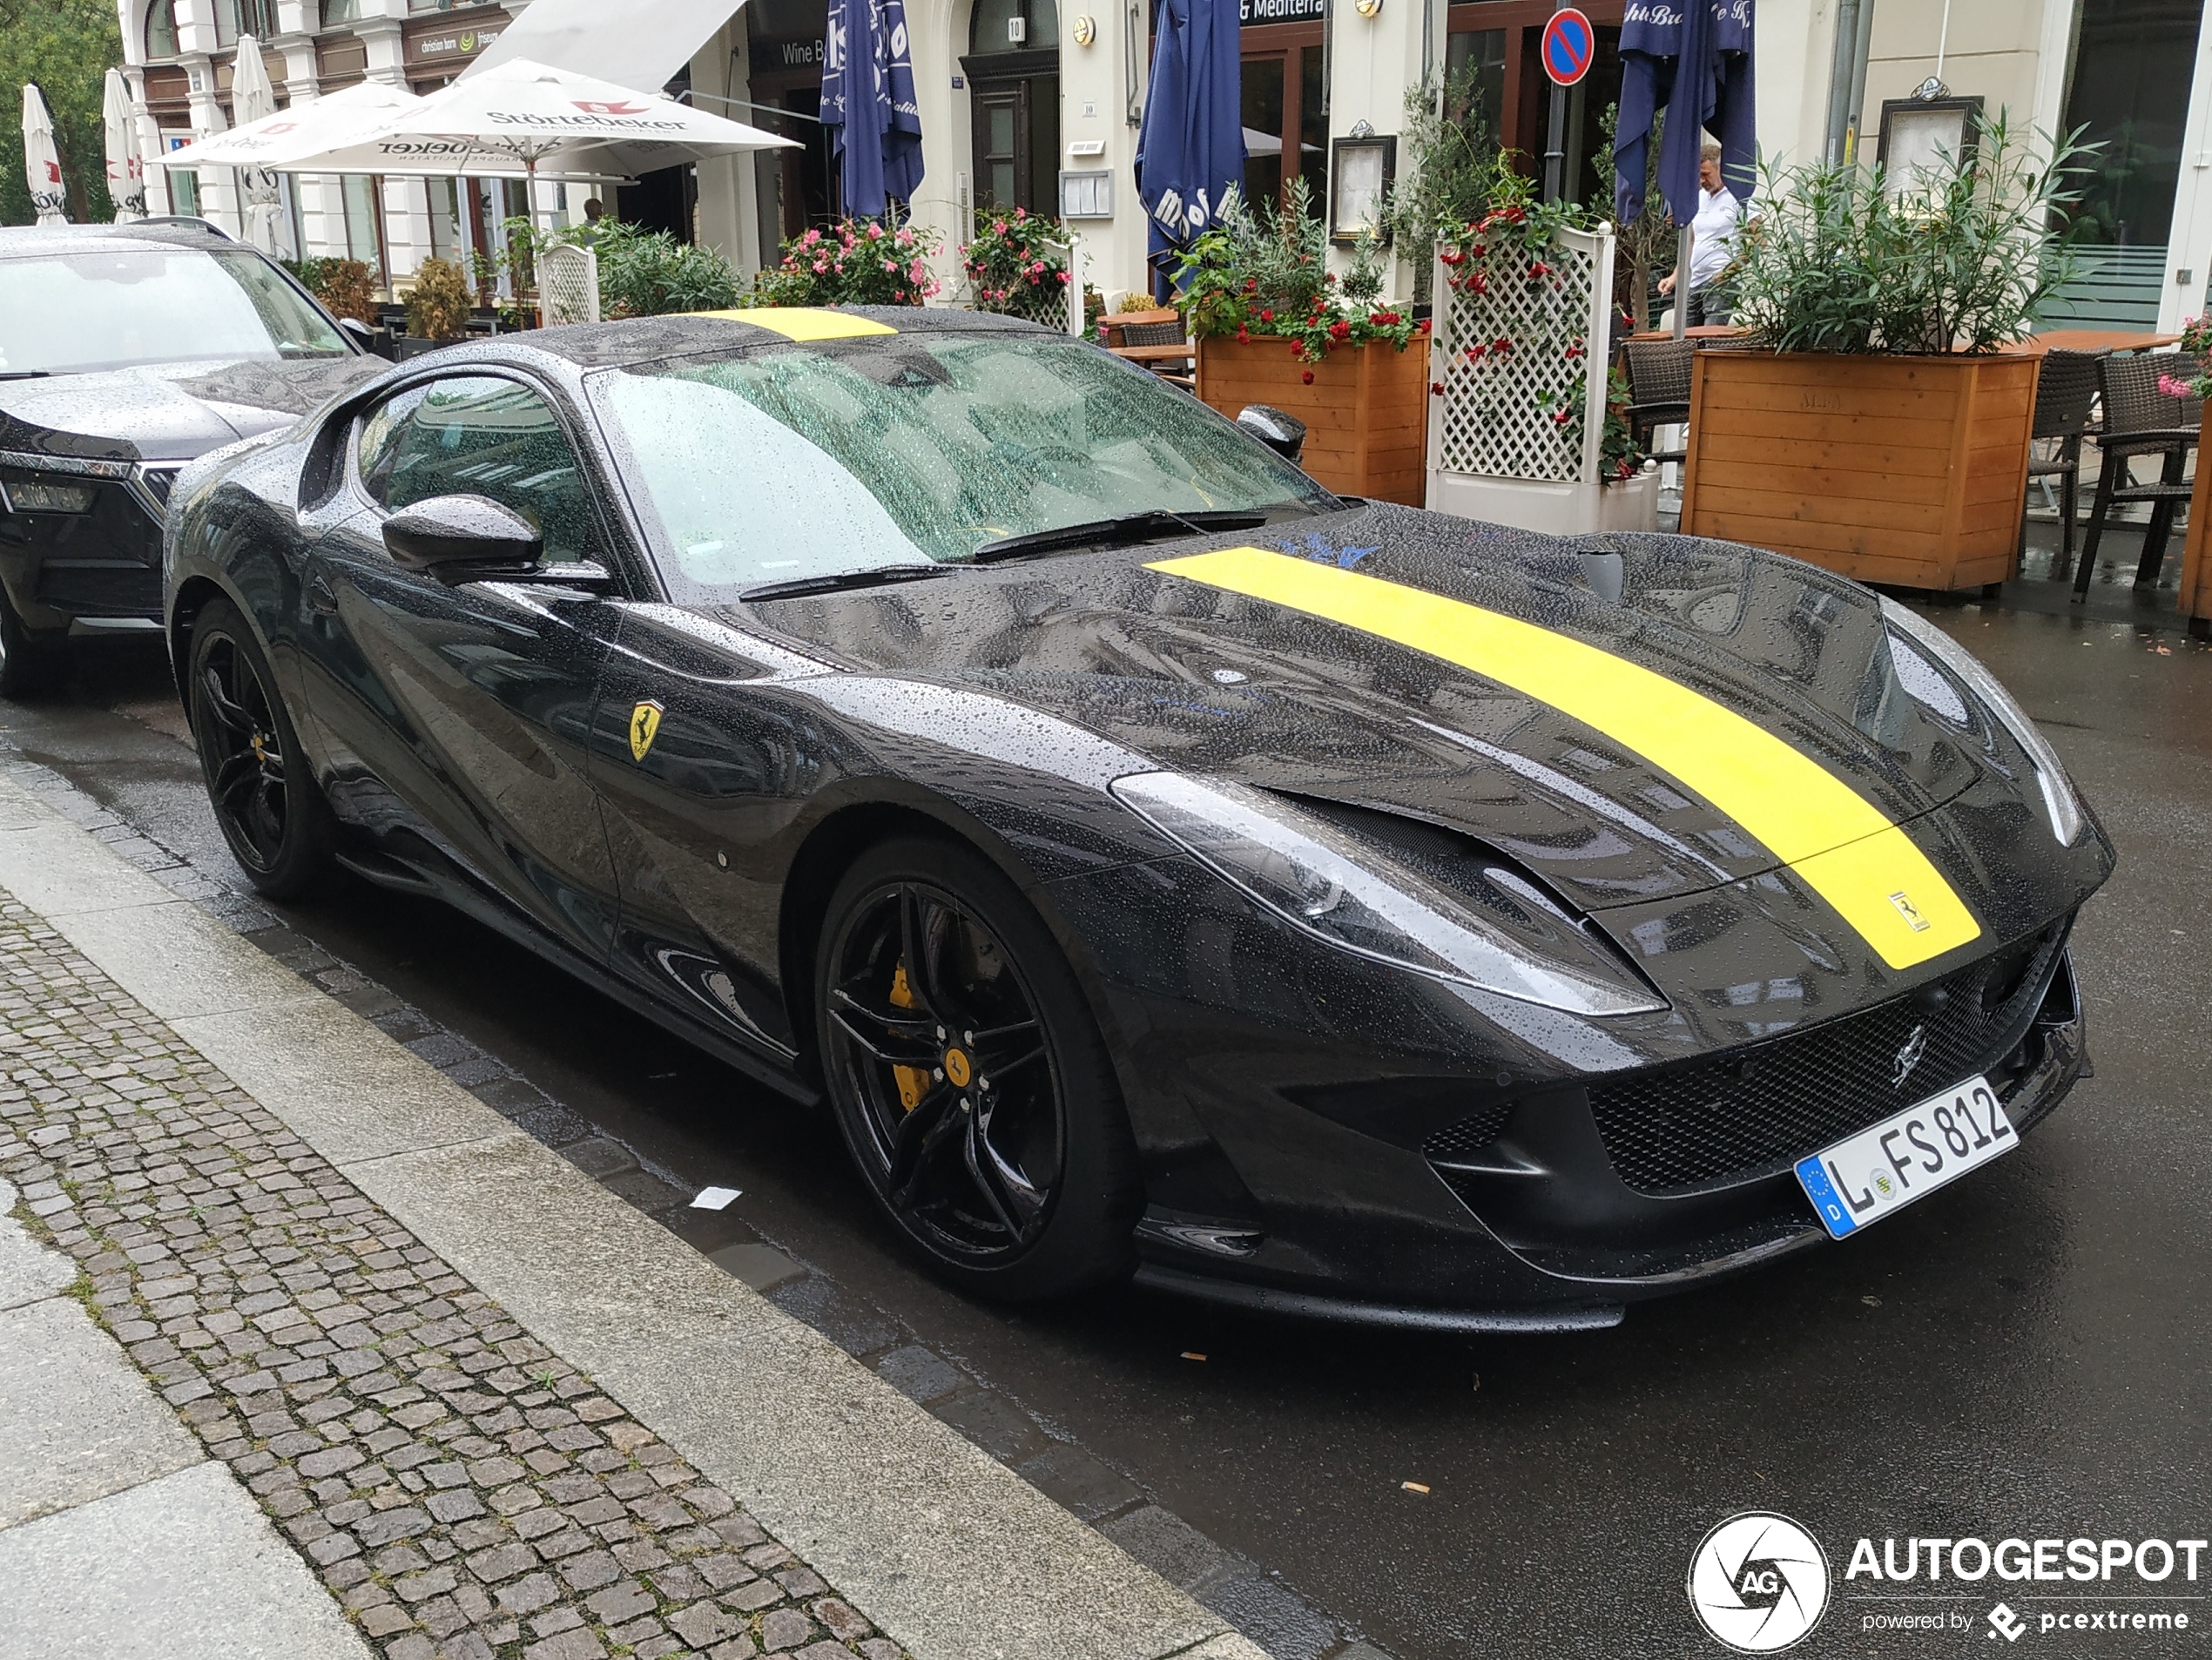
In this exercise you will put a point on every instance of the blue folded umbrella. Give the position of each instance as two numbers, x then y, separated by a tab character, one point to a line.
1191	148
868	103
1713	94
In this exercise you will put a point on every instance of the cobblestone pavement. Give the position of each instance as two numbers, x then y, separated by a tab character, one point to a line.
463	1492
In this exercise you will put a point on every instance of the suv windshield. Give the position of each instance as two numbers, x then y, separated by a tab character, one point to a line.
915	449
65	312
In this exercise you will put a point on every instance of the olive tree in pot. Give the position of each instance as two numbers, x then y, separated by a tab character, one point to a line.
1882	429
437	306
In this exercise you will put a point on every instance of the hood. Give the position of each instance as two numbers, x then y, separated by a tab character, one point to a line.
168	411
1229	684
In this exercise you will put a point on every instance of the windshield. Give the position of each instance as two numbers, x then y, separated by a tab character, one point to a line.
66	312
909	451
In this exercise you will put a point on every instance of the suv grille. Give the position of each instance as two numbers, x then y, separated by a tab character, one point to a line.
101	587
1755	1111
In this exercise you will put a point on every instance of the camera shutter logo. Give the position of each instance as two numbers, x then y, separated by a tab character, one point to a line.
1758	1583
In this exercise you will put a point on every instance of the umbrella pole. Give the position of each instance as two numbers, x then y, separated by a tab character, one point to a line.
1681	280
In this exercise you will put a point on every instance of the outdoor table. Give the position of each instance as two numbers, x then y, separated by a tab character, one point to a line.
2093	340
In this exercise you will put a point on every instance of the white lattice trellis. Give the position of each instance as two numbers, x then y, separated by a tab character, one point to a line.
568	285
1515	433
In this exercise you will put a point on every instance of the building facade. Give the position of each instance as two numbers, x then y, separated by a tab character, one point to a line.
1037	104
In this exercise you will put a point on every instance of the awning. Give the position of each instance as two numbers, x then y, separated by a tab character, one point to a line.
642	43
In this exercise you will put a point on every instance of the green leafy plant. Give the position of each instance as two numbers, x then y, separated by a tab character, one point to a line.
1645	249
1960	258
649	274
1619	455
1017	265
1263	272
439	303
65	46
856	262
1447	152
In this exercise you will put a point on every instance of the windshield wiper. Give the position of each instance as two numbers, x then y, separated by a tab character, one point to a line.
25	375
836	580
1129	527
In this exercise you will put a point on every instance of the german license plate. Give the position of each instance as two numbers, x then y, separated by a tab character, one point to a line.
1865	1177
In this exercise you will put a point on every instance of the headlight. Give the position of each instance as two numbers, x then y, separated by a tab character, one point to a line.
1332	886
2058	798
26	495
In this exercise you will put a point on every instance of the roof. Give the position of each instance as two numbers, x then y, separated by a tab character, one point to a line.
18	241
642	339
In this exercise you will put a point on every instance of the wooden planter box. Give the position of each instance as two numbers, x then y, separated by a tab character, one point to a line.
1906	470
2196	554
1366	414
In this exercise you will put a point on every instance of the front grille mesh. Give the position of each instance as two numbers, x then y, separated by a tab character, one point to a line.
1757	1110
1469	1135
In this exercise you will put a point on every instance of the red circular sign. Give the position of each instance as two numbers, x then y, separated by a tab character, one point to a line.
1569	43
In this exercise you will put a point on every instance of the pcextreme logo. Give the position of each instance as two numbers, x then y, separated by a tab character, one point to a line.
1758	1583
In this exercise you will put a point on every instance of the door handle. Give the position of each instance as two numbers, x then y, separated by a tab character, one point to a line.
319	597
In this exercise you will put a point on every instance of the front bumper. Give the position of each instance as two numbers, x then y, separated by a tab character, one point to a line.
92	572
1327	1138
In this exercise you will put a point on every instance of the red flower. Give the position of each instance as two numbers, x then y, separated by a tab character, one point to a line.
1252	285
1538	271
1307	377
1500	347
1266	315
1244	335
1436	389
1340	329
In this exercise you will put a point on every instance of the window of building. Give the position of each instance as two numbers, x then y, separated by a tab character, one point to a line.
363	196
338	11
2130	90
1474	71
161	29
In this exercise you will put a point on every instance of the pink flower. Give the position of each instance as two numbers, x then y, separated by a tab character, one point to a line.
915	271
2174	388
821	264
905	239
890	265
874	232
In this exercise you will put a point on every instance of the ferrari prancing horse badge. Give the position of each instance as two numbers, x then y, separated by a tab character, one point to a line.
644	725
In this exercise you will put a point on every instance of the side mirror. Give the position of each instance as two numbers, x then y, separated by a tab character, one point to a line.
1284	433
462	538
369	340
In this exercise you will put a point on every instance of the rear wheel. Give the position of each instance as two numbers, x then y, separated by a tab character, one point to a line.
29	661
968	1078
258	780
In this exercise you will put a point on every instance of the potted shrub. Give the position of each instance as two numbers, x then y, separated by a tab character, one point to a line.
1017	265
2196	556
1882	429
1273	326
437	306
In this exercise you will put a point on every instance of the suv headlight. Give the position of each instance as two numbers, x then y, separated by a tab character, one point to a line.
2059	798
1339	890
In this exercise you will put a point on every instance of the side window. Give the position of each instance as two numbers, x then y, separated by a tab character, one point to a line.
477	436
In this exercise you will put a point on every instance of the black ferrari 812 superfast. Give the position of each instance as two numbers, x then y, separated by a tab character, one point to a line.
1154	862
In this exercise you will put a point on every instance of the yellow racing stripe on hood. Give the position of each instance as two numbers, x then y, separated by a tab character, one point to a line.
804	323
1837	842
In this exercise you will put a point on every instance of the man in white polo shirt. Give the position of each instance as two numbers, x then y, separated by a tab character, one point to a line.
1712	238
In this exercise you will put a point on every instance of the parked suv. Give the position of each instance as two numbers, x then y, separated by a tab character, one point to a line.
127	351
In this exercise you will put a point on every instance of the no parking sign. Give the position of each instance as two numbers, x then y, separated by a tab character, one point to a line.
1569	45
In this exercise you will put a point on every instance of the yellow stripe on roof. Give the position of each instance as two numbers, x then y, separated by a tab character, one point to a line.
1838	843
804	323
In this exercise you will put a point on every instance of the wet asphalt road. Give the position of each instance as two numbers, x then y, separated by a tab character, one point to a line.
2030	1353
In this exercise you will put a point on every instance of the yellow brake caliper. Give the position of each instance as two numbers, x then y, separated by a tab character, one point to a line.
914	1080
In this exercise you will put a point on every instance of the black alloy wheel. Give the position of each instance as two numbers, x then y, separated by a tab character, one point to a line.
260	784
968	1078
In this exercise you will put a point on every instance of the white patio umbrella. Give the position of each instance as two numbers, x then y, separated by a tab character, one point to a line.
253	99
276	142
528	118
42	163
126	170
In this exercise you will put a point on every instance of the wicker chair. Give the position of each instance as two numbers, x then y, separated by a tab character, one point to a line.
1156	339
1658	391
2066	390
2140	420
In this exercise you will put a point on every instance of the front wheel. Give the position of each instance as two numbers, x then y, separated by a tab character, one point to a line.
968	1079
258	779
